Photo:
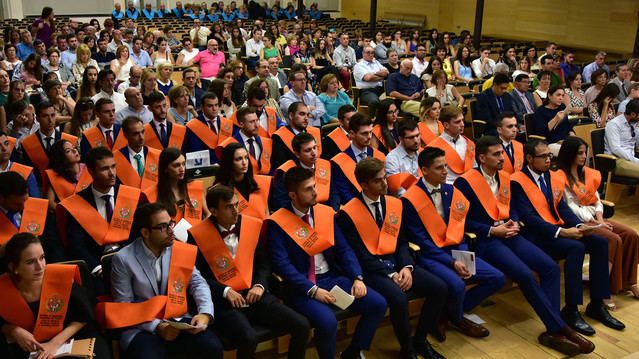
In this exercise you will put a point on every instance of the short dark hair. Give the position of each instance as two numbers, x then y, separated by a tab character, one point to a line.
144	213
255	93
208	96
43	105
295	106
97	154
70	36
295	176
343	110
367	168
500	117
12	184
428	155
243	112
359	120
521	77
155	97
632	107
218	193
128	122
187	71
501	79
531	146
104	73
543	59
300	139
482	145
101	102
16	245
407	125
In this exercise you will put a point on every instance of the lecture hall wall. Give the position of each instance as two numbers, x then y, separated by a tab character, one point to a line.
609	25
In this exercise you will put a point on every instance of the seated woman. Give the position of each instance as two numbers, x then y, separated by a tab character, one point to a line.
63	105
148	84
66	175
398	43
303	55
11	59
385	136
541	92
448	45
20	119
446	93
182	197
429	125
239	79
27	290
583	199
524	68
83	60
164	71
508	57
598	80
601	109
163	55
551	120
180	111
427	75
187	53
83	118
575	94
270	49
223	91
446	65
235	43
332	98
292	47
393	61
89	87
122	64
29	71
236	172
413	42
463	70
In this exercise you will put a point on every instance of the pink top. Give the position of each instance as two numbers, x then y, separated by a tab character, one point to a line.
209	63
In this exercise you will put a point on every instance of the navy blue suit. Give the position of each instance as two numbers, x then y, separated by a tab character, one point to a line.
169	129
85	147
488	108
281	152
198	93
290	262
279	196
440	261
345	189
542	234
378	268
21	156
517	258
194	144
258	142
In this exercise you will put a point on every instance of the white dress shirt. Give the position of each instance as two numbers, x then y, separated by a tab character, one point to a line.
132	159
399	161
419	66
358	152
100	204
459	144
618	138
258	150
363	68
437	198
118	99
321	265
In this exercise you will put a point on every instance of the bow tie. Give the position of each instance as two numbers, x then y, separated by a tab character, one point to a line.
436	190
225	234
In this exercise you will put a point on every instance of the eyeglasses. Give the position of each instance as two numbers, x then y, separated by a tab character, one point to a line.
545	156
393	112
164	227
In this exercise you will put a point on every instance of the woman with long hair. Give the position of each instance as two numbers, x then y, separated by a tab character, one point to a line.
83	60
64	106
163	55
66	175
122	64
148	42
601	109
82	119
508	56
426	76
182	197
432	42
89	41
303	56
429	125
236	172
598	80
44	26
413	42
523	67
385	135
446	93
148	84
463	70
551	119
583	199
576	95
89	87
531	54
239	79
29	71
235	43
448	45
223	91
270	102
398	43
180	111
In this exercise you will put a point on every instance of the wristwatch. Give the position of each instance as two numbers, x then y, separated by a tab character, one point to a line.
359	277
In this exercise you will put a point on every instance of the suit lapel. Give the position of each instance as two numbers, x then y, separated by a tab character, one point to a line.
148	270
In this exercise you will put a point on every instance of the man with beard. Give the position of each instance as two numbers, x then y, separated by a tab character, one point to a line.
401	163
419	61
382	49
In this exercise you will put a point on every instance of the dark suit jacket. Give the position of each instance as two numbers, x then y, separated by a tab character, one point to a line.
169	129
345	190
21	156
487	109
518	105
375	264
85	146
280	153
279	198
258	142
194	144
198	96
329	148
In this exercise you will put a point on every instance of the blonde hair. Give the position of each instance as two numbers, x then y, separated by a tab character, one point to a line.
83	49
146	73
175	92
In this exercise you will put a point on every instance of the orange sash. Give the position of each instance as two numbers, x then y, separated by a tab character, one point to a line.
64	189
497	208
271	114
174	304
32	146
322	177
587	193
54	302
456	164
96	138
265	157
286	135
97	227
192	212
34	218
129	176
175	139
256	206
311	240
208	136
339	138
518	155
377	132
442	234
426	134
400	180
537	198
347	164
24	171
378	242
12	143
237	272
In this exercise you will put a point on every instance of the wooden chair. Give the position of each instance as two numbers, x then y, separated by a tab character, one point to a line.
528	121
583	132
605	163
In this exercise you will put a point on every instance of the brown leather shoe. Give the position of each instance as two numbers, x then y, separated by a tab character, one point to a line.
585	345
472	329
560	343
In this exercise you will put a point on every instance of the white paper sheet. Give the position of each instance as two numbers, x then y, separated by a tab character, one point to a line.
468	258
181	230
342	299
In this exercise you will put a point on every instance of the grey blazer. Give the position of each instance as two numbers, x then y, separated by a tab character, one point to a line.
518	105
133	280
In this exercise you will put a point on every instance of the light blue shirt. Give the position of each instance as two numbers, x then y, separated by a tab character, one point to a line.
590	68
143	59
145	115
310	99
399	161
68	58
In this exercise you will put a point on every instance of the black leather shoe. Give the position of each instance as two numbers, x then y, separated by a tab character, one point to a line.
426	350
576	322
600	313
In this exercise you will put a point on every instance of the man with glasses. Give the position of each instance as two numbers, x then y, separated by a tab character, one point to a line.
369	76
262	73
523	101
402	160
210	60
537	196
298	93
419	60
622	140
135	74
344	57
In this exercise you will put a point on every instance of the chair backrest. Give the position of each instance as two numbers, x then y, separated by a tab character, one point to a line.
597	141
583	132
106	262
328	128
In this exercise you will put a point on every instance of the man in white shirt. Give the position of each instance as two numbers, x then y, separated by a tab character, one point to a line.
460	150
369	77
483	66
419	61
136	107
633	93
344	57
106	81
135	74
116	42
253	47
199	34
403	158
622	140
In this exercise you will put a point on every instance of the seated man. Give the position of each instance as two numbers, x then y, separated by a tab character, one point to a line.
494	101
151	269
240	290
20	213
298	121
369	76
99	218
381	50
435	215
262	73
275	73
401	163
260	148
483	66
513	149
311	268
148	11
522	100
372	224
209	129
598	64
299	92
161	133
305	149
137	164
189	80
136	107
6	165
407	87
537	195
460	150
546	63
343	164
131	12
106	82
622	140
500	243
106	133
622	81
338	140
500	68
268	120
633	93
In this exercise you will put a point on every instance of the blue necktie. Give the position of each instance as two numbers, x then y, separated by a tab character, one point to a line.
543	186
379	219
500	104
12	217
163	136
509	152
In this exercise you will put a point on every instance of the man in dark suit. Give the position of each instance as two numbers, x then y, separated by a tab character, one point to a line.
311	254
337	141
537	195
105	133
137	164
209	129
283	137
259	147
240	291
371	223
161	133
523	101
494	101
189	80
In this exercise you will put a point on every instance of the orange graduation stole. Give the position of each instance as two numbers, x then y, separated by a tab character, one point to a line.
54	302
12	143
518	151
34	218
32	146
272	122
265	156
286	135
311	240
64	189
339	138
24	171
586	192
441	233
537	198
207	135
497	208
192	211
237	272
455	163
130	177
257	201
426	134
400	180
322	177
96	226
378	242
96	138
173	304
347	164
377	132
175	139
